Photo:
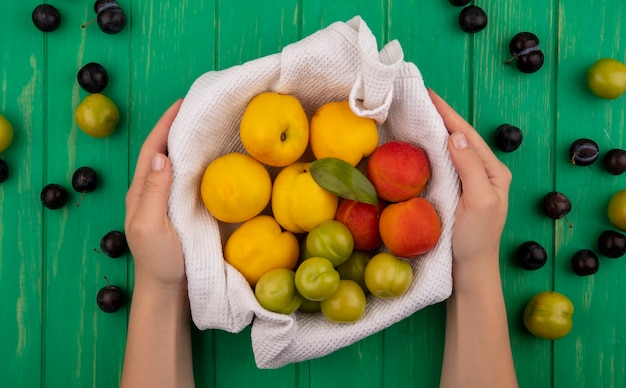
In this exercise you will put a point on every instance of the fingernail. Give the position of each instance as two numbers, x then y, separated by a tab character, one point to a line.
459	141
158	162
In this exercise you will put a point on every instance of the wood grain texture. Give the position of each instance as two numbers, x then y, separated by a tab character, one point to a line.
54	335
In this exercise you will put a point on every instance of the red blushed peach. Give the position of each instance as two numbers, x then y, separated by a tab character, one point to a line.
362	221
410	228
398	170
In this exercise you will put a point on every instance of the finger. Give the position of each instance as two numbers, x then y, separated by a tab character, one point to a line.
496	171
156	142
455	123
474	178
152	205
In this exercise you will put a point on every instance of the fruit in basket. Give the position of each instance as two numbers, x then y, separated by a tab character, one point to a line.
331	240
606	78
235	187
309	306
276	291
337	132
362	221
615	161
354	268
472	19
316	279
548	315
398	170
299	204
387	276
410	228
611	244
274	129
584	262
583	152
97	115
46	17
93	77
346	305
6	133
525	51
616	210
258	246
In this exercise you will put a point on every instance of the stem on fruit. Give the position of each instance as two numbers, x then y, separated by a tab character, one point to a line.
108	282
80	199
89	22
508	62
568	223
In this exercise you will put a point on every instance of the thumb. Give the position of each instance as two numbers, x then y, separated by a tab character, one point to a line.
468	164
156	188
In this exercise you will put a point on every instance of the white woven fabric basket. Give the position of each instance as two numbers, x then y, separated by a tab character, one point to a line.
339	62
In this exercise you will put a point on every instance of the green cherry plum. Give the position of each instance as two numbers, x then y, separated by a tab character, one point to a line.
387	276
331	240
276	291
347	305
316	279
607	78
97	115
6	133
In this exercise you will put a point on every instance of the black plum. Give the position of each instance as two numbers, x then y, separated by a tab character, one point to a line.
611	244
46	17
615	161
54	196
4	171
531	255
460	3
111	18
583	152
110	298
472	19
84	180
93	77
585	262
508	137
114	244
556	205
525	51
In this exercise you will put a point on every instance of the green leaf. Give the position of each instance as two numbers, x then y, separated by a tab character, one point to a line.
343	179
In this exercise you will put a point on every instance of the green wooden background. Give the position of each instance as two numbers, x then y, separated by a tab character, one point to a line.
53	335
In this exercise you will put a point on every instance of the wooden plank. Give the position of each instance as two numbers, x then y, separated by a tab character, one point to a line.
502	94
431	39
173	43
593	354
22	64
93	341
263	29
360	363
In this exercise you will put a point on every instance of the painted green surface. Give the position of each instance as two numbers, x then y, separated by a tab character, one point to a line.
52	333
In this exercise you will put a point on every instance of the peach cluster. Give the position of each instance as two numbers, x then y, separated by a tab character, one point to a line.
406	223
